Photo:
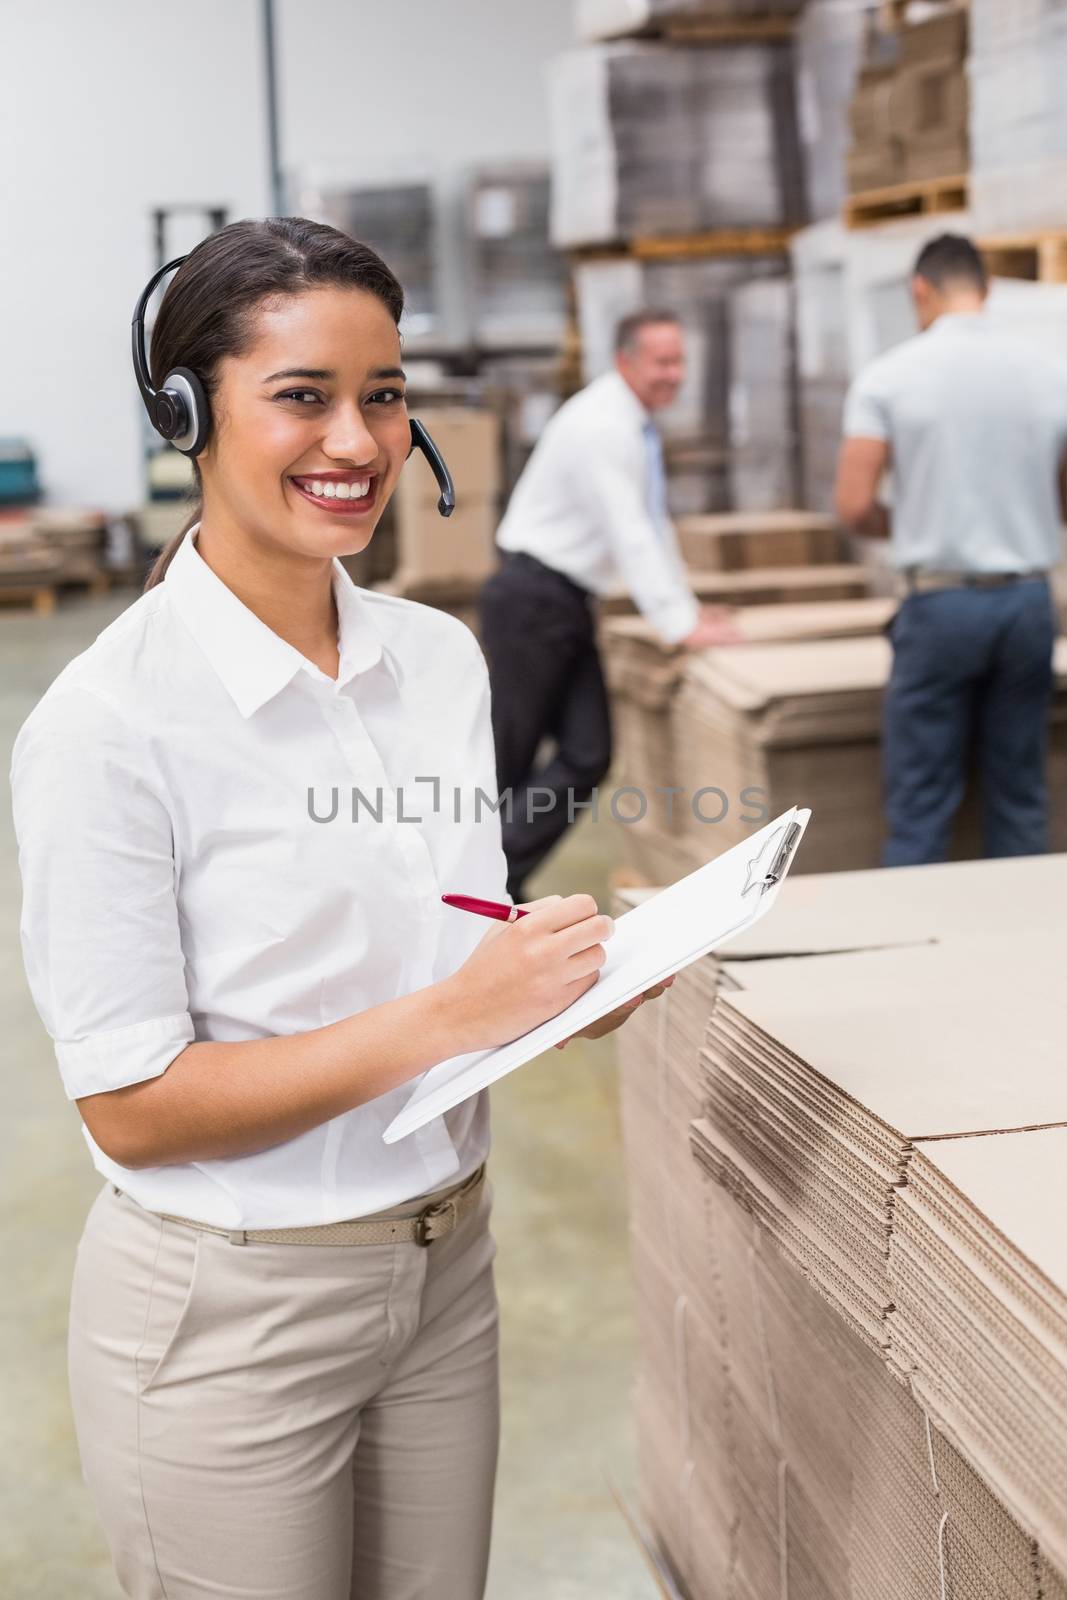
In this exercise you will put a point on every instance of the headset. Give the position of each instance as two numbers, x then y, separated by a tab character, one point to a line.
181	414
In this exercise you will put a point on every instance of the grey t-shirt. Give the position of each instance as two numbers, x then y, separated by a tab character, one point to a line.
976	422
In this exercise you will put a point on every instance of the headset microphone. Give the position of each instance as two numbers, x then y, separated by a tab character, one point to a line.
179	411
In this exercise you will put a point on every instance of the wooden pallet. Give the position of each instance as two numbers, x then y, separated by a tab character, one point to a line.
893	14
925	198
42	595
728	30
690	246
1038	257
711	31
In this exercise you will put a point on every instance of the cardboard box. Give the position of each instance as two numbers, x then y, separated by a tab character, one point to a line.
740	541
941	38
436	549
469	440
428	547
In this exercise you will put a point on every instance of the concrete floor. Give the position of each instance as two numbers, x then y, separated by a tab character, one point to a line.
562	1265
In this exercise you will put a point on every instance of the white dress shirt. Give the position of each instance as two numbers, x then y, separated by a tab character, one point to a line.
176	886
582	506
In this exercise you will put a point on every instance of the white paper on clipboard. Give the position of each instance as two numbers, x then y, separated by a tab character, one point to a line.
695	915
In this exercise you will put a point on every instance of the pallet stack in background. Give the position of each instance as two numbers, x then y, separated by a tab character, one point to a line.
45	550
1018	125
850	1284
909	113
677	179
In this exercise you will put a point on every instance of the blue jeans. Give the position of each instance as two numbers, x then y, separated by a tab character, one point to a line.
971	681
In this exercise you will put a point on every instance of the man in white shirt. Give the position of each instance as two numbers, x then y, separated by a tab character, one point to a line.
589	511
973	425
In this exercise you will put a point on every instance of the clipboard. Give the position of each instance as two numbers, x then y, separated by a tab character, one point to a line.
696	915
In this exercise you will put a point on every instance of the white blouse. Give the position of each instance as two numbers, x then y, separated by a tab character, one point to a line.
218	841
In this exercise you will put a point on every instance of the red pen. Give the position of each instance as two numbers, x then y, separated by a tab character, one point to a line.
484	908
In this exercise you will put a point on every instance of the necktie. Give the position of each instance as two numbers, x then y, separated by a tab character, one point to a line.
655	475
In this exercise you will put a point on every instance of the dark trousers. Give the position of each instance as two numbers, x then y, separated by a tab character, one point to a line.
538	633
971	683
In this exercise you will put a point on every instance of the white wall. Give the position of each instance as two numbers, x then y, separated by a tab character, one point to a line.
418	89
111	107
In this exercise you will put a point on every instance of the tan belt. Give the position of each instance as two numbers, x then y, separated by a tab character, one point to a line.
437	1220
920	582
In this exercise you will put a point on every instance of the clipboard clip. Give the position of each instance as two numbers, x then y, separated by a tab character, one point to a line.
779	863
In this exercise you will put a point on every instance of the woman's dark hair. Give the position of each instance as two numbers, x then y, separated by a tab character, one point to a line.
208	310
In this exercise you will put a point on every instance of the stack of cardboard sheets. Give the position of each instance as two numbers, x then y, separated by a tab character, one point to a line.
1018	126
649	139
644	678
977	1214
747	730
790	1441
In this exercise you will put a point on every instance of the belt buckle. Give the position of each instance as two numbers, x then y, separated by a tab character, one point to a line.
424	1234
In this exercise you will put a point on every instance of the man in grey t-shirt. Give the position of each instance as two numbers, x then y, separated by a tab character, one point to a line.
973	426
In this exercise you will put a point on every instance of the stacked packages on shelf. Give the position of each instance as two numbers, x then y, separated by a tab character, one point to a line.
518	286
657	140
1018	120
849	1276
909	112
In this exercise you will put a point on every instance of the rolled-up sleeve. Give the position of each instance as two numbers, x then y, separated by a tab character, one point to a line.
99	925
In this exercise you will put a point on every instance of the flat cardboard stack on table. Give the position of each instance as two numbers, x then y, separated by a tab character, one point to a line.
763	725
800	1430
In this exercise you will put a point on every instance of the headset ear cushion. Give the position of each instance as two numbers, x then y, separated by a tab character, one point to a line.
186	386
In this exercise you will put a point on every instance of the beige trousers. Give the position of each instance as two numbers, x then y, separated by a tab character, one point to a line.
286	1422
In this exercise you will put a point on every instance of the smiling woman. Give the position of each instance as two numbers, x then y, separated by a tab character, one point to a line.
240	998
288	288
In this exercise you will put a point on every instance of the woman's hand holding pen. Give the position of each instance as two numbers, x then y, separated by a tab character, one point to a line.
527	971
